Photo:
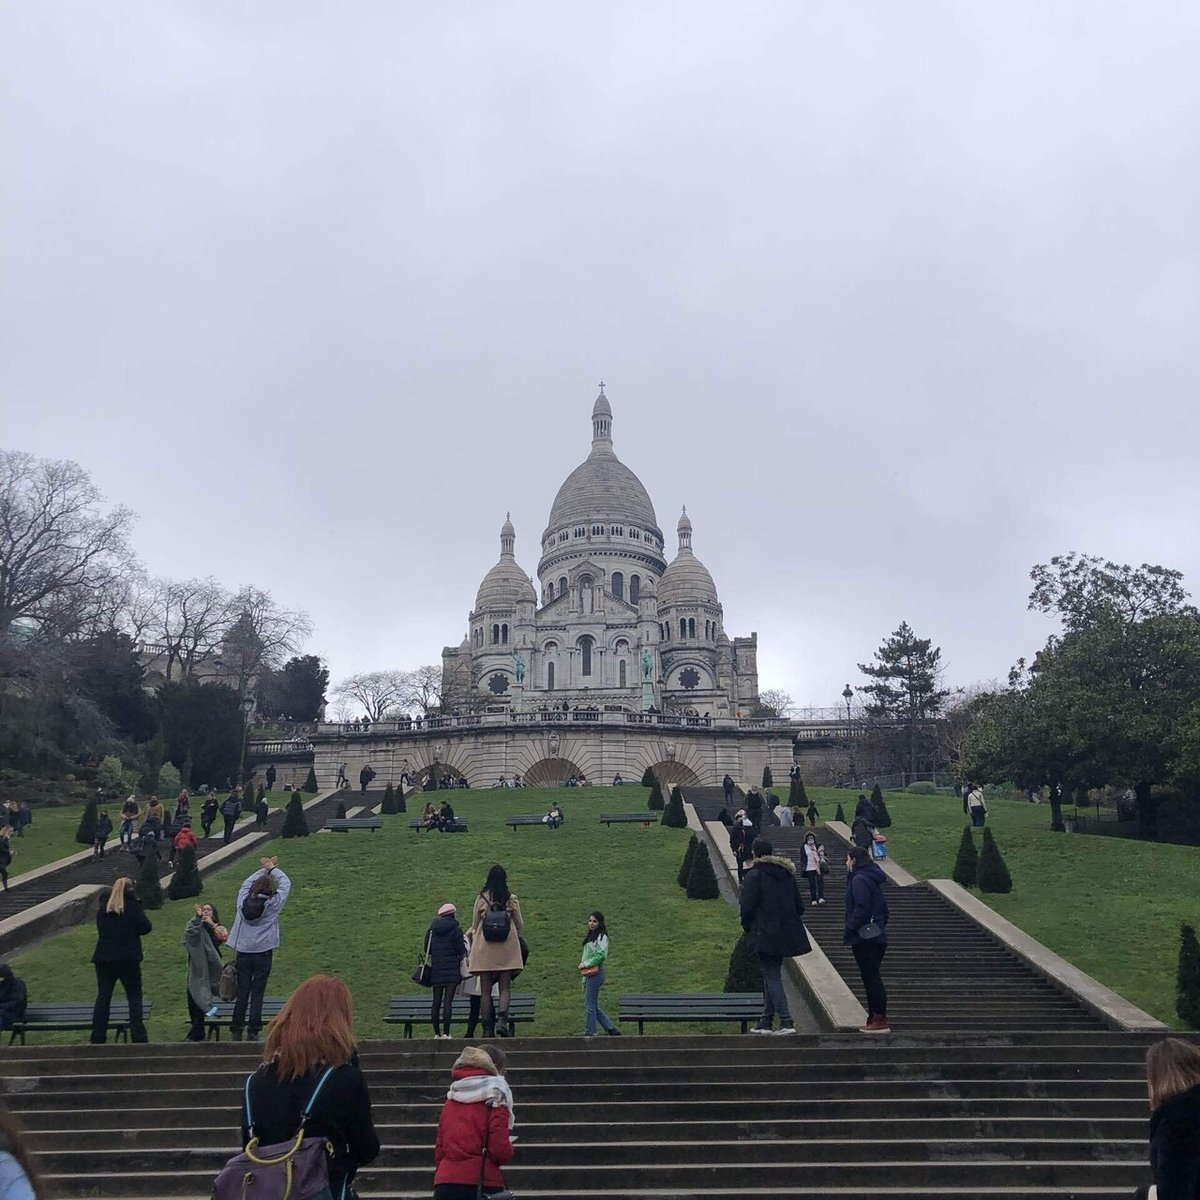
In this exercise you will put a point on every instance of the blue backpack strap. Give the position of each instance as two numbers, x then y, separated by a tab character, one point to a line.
249	1114
313	1098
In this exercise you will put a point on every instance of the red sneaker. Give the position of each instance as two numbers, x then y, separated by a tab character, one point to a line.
876	1025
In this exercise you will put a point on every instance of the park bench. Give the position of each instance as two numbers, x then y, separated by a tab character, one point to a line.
224	1014
641	818
741	1007
526	819
458	825
345	824
417	1010
69	1015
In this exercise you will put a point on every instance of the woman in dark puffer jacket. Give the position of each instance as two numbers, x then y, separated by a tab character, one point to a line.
446	951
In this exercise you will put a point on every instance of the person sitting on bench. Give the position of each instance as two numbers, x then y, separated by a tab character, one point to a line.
445	816
554	818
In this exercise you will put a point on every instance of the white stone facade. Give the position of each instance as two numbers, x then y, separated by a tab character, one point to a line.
610	625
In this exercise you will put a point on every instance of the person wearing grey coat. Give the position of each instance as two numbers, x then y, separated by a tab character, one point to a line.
202	939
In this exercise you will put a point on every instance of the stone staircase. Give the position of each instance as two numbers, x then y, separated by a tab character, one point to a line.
1040	1115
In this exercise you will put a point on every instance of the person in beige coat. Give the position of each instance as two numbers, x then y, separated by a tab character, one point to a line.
495	950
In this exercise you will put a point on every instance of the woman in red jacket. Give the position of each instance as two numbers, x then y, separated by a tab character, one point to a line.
477	1117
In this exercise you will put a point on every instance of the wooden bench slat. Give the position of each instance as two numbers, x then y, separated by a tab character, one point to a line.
646	818
68	1016
223	1017
345	824
413	1010
458	825
737	1007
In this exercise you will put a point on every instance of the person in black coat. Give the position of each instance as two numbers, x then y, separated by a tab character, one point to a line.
773	917
864	809
13	997
313	1033
121	924
1173	1083
446	951
867	905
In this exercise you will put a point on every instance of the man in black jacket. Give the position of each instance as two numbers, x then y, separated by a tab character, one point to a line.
773	918
13	997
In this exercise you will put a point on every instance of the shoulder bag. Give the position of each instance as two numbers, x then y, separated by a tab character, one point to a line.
295	1170
423	971
227	988
480	1194
870	931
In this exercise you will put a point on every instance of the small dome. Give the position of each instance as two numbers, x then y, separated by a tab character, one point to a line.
687	579
528	592
602	408
505	583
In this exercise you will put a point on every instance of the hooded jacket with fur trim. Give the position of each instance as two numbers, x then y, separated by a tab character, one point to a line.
465	1127
772	910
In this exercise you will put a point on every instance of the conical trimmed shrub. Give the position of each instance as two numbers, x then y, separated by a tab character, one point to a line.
310	784
840	815
85	835
647	778
401	803
1187	996
966	865
702	882
388	808
186	880
883	818
340	812
673	815
262	791
797	796
993	871
294	821
149	890
686	867
655	802
768	778
745	971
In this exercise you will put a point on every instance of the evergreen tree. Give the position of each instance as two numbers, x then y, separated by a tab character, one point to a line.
1187	1001
340	811
656	797
388	808
294	822
673	815
262	791
993	872
702	882
797	796
966	865
168	783
186	880
156	755
883	818
647	778
85	835
768	778
149	890
689	855
310	784
185	772
745	971
840	815
401	803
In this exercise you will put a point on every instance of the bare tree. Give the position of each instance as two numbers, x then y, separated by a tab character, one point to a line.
423	689
378	693
59	552
955	725
186	617
260	636
776	702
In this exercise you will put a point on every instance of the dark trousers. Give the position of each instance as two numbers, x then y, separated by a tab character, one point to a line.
443	1002
230	822
869	956
253	971
774	998
472	1015
108	974
196	1016
816	885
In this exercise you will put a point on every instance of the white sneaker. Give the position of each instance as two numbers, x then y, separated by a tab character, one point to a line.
762	1029
212	1012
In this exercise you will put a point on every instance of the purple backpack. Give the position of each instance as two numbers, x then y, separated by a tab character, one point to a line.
295	1170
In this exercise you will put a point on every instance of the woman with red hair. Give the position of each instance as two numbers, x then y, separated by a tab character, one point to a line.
314	1031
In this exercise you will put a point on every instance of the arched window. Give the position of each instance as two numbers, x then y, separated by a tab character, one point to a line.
682	628
504	635
622	671
549	592
617	585
550	677
585	656
585	593
635	588
562	585
691	628
495	635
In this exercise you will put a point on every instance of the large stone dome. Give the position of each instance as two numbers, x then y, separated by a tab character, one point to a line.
602	487
686	580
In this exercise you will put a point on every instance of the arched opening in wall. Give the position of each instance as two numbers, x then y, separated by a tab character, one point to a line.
622	672
617	585
551	772
549	677
562	585
707	630
495	635
585	593
682	628
635	588
504	635
585	656
671	773
691	628
549	592
438	772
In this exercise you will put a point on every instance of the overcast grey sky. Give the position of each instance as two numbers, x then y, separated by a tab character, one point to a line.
898	298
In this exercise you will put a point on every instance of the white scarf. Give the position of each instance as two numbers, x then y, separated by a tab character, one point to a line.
484	1089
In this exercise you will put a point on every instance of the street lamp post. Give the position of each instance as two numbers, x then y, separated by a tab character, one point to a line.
247	709
848	695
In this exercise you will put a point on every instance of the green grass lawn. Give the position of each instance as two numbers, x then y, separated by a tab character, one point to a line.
49	838
361	902
1110	906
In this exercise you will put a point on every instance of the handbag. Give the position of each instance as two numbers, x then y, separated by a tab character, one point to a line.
870	931
480	1194
524	955
227	988
589	971
423	972
296	1170
824	867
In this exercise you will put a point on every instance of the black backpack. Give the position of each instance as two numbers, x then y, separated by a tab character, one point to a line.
496	924
253	907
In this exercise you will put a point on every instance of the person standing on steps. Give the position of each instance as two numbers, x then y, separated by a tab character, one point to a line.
6	854
1173	1084
255	936
269	776
103	833
444	937
495	948
813	867
865	931
727	784
13	997
231	810
203	937
592	970
209	811
754	808
129	815
121	924
474	1129
364	778
772	914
